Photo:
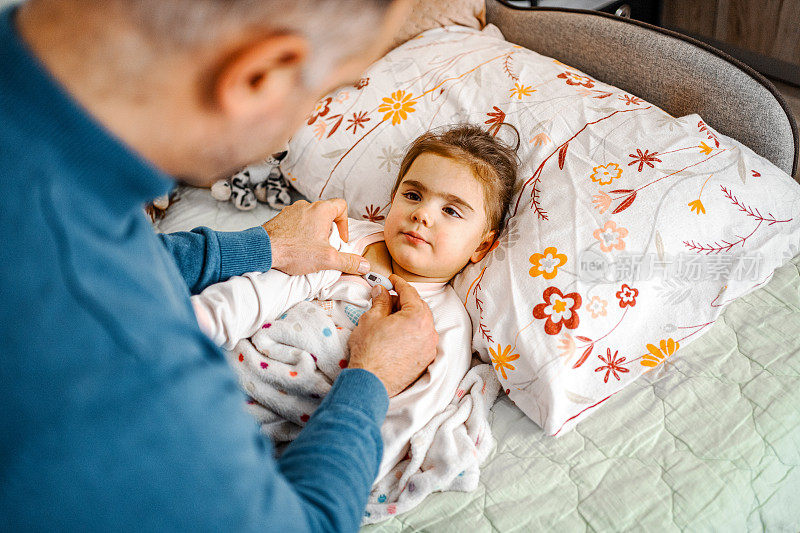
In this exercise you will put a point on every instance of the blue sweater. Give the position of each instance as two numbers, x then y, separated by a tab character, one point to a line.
117	412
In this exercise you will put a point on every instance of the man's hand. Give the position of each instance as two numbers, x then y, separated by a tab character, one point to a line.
395	346
299	237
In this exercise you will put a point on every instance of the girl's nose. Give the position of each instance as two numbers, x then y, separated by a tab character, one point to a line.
421	216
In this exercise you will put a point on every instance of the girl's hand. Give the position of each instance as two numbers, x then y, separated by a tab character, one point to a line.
299	237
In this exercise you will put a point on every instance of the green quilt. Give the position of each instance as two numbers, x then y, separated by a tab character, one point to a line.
710	442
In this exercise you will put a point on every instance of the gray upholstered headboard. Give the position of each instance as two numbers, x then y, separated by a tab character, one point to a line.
679	74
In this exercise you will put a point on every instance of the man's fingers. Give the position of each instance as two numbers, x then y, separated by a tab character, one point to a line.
381	302
351	263
336	208
407	295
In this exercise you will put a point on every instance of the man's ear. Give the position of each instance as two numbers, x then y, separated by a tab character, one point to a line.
261	76
487	245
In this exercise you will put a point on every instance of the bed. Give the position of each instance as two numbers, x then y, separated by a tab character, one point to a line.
710	441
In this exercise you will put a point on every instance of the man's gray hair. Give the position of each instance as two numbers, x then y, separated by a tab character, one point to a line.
201	23
196	22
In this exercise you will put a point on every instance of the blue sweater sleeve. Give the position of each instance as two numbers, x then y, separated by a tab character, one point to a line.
343	442
321	482
205	256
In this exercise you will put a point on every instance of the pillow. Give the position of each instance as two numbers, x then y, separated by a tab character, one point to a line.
193	207
631	231
429	14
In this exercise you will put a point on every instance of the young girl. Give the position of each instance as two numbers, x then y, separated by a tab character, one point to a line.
451	196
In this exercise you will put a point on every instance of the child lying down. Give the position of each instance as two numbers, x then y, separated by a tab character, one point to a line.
287	336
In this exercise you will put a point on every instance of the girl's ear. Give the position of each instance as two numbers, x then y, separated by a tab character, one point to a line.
487	245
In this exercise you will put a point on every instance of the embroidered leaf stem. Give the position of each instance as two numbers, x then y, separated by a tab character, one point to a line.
726	245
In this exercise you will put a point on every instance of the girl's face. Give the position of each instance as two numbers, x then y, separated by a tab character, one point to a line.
437	222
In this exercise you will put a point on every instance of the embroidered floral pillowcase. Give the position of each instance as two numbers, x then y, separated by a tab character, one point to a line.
632	229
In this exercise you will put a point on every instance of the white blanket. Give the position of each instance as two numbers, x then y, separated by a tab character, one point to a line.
288	367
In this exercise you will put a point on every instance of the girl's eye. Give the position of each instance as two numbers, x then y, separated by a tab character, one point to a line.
452	212
411	195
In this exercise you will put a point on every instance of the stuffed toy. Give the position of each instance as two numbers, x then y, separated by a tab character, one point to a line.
158	207
259	182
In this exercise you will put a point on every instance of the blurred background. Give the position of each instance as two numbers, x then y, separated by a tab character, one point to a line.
764	35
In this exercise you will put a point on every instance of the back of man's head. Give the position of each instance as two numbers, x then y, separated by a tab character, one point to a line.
191	23
200	87
331	26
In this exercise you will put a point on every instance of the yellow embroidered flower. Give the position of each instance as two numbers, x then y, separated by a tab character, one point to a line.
697	206
397	107
667	348
604	175
502	359
546	264
522	90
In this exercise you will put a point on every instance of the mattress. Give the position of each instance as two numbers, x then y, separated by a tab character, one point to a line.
711	441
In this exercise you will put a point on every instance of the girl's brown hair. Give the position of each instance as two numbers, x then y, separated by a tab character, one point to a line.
493	163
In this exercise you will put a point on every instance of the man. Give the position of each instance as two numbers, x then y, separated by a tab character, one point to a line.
117	411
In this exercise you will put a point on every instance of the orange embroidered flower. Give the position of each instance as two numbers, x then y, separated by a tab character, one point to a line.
601	201
320	128
546	264
697	207
540	139
397	106
342	96
502	359
522	90
604	175
611	236
558	310
566	345
597	306
656	355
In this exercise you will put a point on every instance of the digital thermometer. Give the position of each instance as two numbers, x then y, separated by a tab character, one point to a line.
373	278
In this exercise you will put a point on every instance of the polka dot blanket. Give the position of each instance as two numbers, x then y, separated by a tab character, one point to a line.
289	365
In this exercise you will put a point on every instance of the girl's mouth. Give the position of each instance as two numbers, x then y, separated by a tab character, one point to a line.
414	238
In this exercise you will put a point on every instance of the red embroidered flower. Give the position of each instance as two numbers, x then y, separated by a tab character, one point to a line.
559	310
643	159
576	79
373	213
496	120
360	84
320	110
612	365
630	99
357	121
627	296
